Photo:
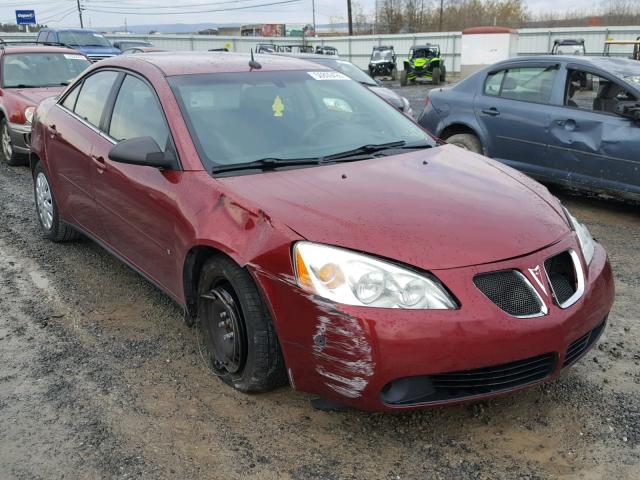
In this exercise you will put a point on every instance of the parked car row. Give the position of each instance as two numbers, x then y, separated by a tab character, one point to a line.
318	236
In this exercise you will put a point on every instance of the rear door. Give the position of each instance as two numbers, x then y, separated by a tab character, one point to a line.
73	130
138	204
513	109
591	145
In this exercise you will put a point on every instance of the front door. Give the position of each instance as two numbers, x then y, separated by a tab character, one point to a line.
590	141
136	203
513	108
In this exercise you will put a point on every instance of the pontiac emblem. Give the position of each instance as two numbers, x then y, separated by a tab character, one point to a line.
537	276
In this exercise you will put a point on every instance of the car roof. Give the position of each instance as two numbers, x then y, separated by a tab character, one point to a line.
304	56
616	65
189	63
49	29
9	49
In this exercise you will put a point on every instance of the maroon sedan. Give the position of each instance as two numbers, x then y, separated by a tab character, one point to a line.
28	74
316	234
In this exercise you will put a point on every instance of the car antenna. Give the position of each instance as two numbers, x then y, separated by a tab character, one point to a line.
253	64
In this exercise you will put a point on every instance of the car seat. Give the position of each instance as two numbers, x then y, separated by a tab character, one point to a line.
606	100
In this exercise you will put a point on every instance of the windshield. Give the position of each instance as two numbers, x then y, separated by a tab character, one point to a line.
425	53
24	70
83	39
235	118
382	56
348	68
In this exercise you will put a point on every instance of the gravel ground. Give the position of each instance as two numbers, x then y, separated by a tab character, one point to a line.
100	378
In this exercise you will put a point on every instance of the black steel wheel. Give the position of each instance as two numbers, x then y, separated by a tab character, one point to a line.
224	331
241	342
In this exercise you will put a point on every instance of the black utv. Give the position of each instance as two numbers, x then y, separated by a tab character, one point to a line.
569	46
383	63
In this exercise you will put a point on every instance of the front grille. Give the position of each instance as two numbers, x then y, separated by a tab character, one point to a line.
469	383
562	276
511	292
578	348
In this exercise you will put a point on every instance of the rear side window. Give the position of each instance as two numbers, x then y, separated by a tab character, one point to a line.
527	84
93	96
137	113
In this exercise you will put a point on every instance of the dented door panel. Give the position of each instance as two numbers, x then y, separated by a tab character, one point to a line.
595	149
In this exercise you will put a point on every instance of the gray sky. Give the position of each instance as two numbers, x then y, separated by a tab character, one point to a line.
62	12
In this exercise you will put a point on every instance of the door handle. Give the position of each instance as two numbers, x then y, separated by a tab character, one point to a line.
493	111
568	124
53	132
99	163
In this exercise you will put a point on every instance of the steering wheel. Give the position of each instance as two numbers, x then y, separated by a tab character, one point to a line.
316	130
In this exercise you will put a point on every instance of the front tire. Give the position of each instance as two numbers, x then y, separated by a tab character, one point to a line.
466	141
435	75
394	74
51	225
242	345
7	152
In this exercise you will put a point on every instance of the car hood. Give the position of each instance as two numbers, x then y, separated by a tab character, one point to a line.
389	95
435	209
33	96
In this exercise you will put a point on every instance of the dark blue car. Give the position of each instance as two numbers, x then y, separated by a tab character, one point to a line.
88	42
573	121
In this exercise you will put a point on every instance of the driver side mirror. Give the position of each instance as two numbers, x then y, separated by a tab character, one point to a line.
143	151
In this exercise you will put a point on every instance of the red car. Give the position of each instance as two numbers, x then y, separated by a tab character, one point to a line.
317	234
28	74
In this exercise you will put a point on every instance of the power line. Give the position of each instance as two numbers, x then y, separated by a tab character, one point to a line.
129	12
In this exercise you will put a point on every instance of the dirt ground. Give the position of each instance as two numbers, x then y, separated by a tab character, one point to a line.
100	378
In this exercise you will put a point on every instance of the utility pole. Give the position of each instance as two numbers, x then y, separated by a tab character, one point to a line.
80	13
441	14
313	8
349	17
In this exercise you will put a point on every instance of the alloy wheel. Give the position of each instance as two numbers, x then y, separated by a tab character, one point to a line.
44	201
7	148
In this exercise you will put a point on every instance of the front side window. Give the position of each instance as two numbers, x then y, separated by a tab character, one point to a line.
242	117
93	96
593	93
36	70
527	84
137	113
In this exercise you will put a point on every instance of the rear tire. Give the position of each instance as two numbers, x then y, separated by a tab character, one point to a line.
403	78
394	74
435	75
443	75
51	225
7	152
466	141
242	345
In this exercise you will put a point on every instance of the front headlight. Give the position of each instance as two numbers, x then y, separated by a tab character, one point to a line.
584	237
28	113
351	278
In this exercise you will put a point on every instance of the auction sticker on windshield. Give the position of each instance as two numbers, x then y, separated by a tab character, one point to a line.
328	76
70	56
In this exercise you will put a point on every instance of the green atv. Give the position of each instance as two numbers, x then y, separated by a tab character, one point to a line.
424	63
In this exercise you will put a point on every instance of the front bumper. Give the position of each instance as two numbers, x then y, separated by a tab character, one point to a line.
350	354
20	137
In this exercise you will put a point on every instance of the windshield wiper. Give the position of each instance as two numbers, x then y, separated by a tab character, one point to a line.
374	148
22	85
265	164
